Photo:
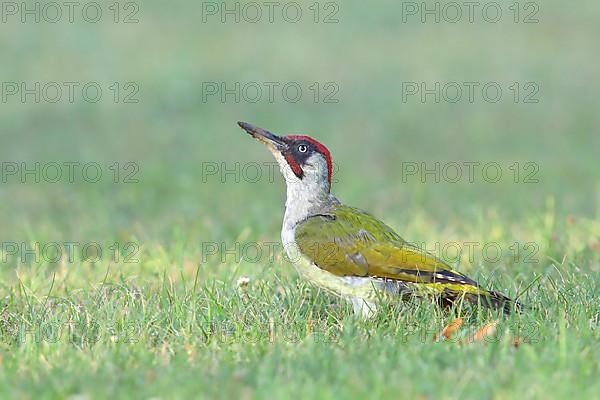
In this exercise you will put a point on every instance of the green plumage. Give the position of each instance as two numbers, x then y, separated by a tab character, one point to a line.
345	250
348	242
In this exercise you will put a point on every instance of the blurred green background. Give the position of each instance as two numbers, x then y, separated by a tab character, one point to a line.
172	133
175	134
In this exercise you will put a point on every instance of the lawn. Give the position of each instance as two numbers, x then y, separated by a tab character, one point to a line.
163	276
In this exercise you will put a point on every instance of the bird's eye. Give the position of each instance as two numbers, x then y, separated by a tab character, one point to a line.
302	148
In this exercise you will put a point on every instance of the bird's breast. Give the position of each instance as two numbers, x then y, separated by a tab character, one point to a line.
361	287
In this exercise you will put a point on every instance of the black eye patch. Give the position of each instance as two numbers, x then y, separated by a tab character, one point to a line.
301	151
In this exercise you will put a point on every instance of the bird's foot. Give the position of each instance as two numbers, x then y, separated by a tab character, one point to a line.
363	308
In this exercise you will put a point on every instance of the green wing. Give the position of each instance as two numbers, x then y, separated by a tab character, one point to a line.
346	241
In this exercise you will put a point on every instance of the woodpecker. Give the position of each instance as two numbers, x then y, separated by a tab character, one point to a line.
347	251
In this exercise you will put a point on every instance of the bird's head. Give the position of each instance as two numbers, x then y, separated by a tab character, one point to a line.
302	159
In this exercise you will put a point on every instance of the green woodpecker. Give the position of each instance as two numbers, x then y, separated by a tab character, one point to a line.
347	251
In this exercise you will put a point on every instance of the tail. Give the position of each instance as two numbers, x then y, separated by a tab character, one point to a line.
453	286
499	301
488	298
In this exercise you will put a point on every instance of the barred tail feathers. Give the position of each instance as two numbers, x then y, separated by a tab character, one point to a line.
452	292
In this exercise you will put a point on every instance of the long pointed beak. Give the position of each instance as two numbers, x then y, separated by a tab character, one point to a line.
273	142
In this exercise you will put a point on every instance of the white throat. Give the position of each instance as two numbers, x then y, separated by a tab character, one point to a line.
305	197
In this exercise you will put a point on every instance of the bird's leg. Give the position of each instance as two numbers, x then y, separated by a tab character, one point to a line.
363	308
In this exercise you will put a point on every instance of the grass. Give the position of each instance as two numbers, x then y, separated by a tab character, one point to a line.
108	329
162	315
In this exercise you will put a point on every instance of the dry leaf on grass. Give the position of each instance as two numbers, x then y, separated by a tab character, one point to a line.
271	330
449	331
517	342
486	331
310	327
